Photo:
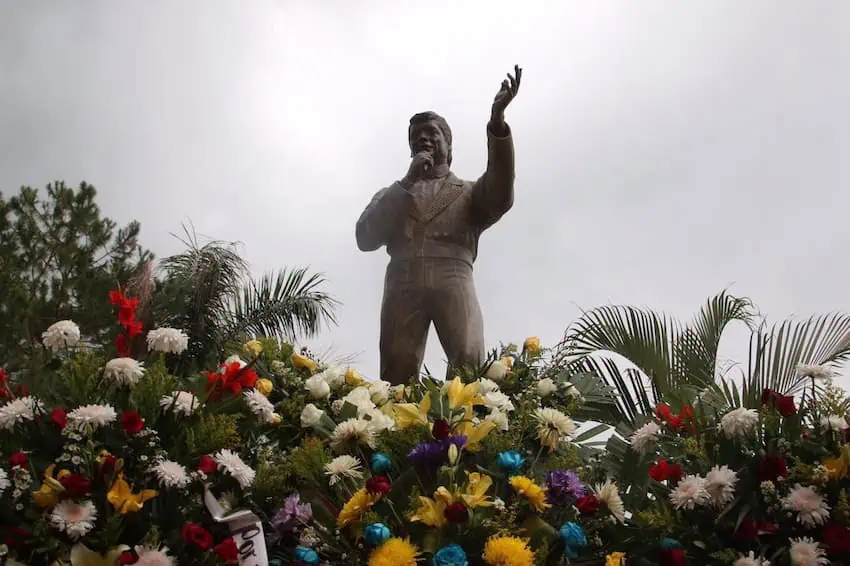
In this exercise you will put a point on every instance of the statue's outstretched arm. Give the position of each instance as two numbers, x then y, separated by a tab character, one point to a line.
382	217
493	193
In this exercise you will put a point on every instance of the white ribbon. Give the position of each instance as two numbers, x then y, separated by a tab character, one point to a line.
246	530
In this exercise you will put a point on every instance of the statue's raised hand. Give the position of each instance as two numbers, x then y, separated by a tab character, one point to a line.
508	91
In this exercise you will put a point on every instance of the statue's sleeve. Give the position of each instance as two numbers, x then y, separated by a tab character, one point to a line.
493	193
382	217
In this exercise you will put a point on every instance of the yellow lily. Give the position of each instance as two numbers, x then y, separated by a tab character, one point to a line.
431	512
124	500
838	468
409	414
472	495
461	395
47	495
474	433
616	559
81	555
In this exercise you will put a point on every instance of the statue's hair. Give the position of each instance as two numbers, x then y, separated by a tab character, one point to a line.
430	116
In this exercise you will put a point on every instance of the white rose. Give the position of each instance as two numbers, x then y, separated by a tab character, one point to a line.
546	386
380	391
317	387
379	422
497	370
361	398
334	376
311	415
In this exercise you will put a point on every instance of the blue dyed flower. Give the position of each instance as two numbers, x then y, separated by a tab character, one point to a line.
668	543
451	555
511	462
306	555
573	536
381	463
376	533
564	486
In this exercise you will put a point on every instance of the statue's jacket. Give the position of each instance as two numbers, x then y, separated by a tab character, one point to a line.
449	224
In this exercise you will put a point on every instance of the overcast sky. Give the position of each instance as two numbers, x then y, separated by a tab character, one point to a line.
665	149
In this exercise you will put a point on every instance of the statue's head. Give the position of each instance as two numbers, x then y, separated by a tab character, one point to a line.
428	131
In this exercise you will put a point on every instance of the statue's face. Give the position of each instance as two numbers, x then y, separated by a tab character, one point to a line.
428	136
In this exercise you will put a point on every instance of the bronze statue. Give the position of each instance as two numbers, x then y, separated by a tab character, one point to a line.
430	222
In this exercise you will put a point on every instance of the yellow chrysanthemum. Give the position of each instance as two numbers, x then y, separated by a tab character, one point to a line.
353	378
431	512
616	559
507	551
303	362
409	414
394	552
253	348
535	494
461	395
355	507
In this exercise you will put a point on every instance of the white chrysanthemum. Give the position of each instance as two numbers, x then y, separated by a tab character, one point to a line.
260	405
182	402
334	376
168	340
739	422
380	391
234	359
311	415
74	519
62	334
344	466
546	387
500	418
231	463
811	508
91	417
833	422
608	494
19	410
751	560
806	552
4	481
486	386
154	557
351	433
498	400
124	371
497	370
553	427
720	485
317	387
643	440
361	398
171	474
689	493
819	372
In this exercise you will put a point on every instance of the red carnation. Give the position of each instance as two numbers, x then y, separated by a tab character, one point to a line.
441	429
672	557
207	465
747	530
76	485
588	505
197	535
107	466
18	459
227	550
663	470
59	417
457	513
771	468
837	538
378	484
132	422
128	557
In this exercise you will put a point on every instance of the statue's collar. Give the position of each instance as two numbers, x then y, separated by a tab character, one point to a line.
437	172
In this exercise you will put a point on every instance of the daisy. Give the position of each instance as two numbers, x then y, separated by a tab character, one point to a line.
74	519
498	400
553	427
62	334
4	481
351	433
720	485
817	372
233	465
751	560
154	557
90	417
171	474
259	405
20	410
124	371
810	507
344	466
644	438
689	493
608	494
739	422
546	387
806	552
182	402
168	340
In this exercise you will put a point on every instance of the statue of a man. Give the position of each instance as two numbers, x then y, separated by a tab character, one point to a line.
430	222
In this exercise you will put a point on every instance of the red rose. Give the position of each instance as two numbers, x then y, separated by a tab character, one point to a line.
128	557
76	485
457	513
22	391
767	528
18	459
207	465
747	530
378	484
441	429
227	550
16	536
197	535
767	395
108	464
132	422
588	505
59	417
837	538
770	468
672	557
785	406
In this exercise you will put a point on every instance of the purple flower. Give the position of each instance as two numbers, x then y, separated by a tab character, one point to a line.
291	514
564	485
432	453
